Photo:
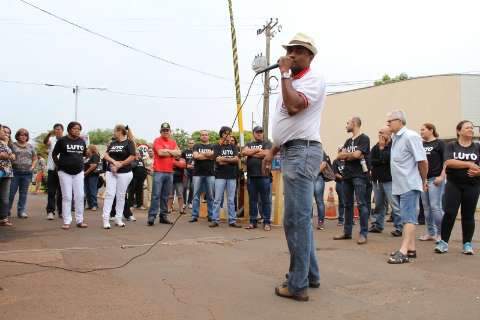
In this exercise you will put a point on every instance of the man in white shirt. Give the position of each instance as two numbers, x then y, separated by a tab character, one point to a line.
53	183
409	168
296	133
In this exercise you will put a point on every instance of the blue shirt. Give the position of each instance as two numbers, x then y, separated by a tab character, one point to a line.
407	150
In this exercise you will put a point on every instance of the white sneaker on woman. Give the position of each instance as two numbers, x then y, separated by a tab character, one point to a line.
132	218
119	223
106	225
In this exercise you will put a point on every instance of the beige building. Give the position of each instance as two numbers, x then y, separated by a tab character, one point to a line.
443	100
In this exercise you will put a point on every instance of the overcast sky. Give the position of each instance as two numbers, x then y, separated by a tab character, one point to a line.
357	40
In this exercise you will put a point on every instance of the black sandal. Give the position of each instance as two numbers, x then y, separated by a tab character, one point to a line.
412	254
398	258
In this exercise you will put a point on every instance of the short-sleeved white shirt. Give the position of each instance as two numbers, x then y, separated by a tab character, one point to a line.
51	145
407	150
304	125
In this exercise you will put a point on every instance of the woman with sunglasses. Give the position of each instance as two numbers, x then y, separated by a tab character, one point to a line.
23	165
68	156
119	156
462	163
6	174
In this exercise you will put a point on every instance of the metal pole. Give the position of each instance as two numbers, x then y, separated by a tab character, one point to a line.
237	74
266	88
75	91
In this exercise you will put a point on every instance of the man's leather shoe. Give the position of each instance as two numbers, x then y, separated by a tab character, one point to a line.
285	293
343	237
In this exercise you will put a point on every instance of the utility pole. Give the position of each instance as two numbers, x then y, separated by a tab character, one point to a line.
236	73
76	91
269	29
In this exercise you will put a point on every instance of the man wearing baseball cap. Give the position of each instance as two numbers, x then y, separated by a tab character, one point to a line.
296	133
164	152
259	185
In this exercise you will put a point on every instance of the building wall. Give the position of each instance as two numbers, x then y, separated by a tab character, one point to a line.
431	99
470	98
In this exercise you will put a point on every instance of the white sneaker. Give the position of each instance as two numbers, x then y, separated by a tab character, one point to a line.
50	216
132	218
119	223
93	208
190	206
106	225
23	215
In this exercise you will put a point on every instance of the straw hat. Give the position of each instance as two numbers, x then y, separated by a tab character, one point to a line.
301	39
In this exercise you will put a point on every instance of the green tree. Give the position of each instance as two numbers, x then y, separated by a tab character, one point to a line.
181	137
40	148
100	136
212	136
386	79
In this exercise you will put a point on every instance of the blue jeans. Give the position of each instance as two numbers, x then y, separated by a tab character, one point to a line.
357	186
21	180
408	206
300	168
318	193
220	185
91	190
341	201
383	199
162	184
208	184
432	207
260	188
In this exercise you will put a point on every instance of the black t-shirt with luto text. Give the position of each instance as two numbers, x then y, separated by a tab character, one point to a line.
120	151
68	155
457	152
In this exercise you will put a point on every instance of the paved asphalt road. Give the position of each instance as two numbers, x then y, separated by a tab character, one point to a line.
199	273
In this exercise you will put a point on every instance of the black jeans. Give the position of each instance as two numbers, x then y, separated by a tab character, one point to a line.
54	192
135	190
466	196
188	187
4	197
127	213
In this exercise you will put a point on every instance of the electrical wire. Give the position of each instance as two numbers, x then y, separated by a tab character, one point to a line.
126	45
244	100
145	252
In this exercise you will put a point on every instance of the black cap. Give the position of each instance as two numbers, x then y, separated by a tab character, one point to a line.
257	129
165	125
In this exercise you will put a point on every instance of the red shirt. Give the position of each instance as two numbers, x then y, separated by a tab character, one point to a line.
163	164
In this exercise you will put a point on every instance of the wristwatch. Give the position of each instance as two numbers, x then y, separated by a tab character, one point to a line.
286	75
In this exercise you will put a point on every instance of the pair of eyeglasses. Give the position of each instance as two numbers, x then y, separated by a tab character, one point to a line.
392	120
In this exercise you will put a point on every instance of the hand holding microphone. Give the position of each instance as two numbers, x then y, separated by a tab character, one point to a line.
284	63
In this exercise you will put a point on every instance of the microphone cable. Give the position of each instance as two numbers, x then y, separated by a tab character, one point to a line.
145	252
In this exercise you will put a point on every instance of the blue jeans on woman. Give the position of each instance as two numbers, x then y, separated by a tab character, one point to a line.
432	207
220	186
91	190
21	181
301	165
318	193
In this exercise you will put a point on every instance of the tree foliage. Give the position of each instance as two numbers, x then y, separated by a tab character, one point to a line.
181	137
40	148
100	136
386	79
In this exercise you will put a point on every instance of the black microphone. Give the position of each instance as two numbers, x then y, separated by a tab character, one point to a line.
273	66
